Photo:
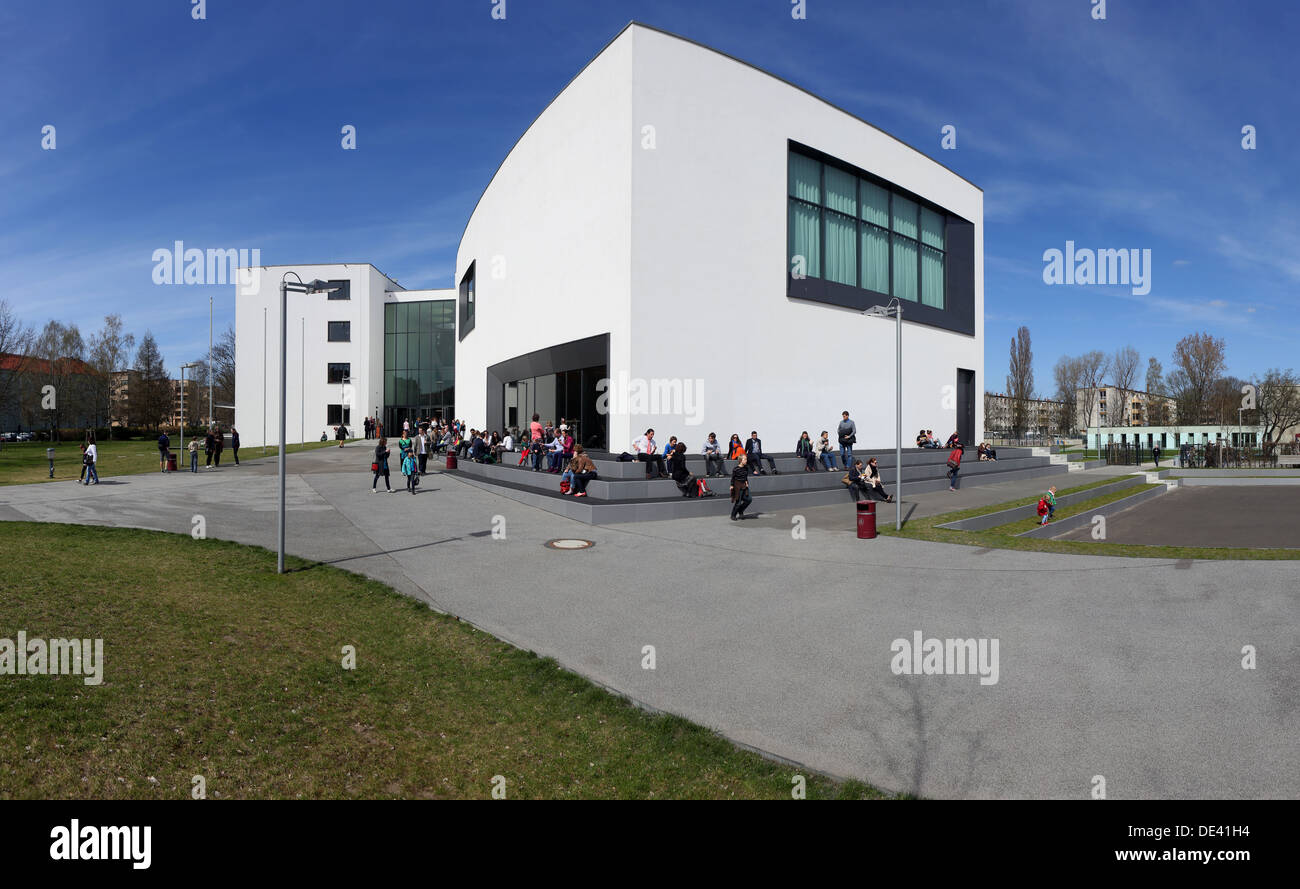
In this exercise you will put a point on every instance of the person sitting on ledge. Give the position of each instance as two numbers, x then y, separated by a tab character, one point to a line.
826	451
953	440
712	452
685	479
804	448
648	452
754	451
583	471
921	440
735	448
876	486
670	450
986	453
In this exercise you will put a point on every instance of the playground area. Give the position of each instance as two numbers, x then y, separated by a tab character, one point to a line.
1254	516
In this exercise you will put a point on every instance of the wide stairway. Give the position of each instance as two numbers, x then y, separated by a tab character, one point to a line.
622	493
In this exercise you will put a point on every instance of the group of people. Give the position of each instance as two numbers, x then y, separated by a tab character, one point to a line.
214	443
925	439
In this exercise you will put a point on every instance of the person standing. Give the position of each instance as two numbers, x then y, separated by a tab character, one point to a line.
848	437
380	466
1155	454
194	455
208	446
164	443
422	449
82	477
234	443
410	470
740	498
219	442
92	454
712	451
954	466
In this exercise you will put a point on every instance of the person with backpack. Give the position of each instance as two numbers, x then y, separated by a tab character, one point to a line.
740	498
954	466
848	436
164	443
411	471
380	466
92	454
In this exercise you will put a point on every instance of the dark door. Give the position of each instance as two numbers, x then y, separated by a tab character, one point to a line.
966	406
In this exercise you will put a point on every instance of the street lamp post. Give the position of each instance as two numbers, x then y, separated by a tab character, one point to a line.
183	368
895	308
286	286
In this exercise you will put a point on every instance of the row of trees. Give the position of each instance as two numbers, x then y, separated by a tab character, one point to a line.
80	369
1201	390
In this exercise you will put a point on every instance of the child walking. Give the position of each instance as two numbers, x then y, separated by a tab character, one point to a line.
1048	501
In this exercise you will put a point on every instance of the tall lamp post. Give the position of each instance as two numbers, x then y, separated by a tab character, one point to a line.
286	287
895	308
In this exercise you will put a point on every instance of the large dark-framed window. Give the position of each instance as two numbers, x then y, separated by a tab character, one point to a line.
338	413
338	372
856	240
465	302
344	290
340	332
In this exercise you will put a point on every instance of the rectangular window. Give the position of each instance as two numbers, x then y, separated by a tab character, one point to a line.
465	301
338	373
340	331
344	291
336	414
905	268
805	239
841	248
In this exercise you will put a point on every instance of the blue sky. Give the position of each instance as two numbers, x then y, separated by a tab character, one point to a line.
1123	133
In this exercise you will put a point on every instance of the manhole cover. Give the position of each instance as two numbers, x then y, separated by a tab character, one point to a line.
570	543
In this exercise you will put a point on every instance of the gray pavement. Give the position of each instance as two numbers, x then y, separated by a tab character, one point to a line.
1127	668
1251	516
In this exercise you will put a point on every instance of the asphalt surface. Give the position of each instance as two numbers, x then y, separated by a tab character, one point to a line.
1126	668
1253	517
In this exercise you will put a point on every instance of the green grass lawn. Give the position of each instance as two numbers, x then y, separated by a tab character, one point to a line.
23	463
1004	536
216	666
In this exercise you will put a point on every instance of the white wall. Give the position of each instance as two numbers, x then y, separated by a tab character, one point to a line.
709	268
308	392
550	235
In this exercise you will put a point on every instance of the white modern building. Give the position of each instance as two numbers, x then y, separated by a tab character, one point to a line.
683	241
367	346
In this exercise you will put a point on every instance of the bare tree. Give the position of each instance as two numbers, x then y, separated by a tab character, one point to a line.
110	351
1277	399
1093	367
1067	374
56	379
1020	380
1202	360
15	344
1157	407
1123	370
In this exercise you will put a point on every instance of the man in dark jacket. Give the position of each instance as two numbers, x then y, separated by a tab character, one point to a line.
848	435
754	450
164	444
209	446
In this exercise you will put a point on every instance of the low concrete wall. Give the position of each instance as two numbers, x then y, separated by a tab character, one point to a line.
1085	518
1016	513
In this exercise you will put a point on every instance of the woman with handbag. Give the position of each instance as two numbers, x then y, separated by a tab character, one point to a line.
380	466
954	466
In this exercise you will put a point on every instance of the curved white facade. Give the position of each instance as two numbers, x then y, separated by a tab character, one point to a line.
648	203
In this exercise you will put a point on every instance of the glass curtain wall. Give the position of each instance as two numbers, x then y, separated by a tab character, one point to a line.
570	395
419	361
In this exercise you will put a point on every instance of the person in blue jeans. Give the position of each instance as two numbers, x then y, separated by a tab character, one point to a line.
92	454
827	451
848	436
194	455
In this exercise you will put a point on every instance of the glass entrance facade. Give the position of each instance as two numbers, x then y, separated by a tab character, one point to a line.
419	361
569	395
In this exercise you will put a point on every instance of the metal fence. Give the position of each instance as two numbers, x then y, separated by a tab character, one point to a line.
1202	456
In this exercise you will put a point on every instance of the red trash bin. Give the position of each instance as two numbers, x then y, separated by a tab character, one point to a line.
866	520
171	461
451	460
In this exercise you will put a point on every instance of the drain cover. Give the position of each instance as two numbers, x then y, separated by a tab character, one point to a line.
569	543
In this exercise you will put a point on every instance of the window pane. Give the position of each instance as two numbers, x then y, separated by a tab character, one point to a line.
390	317
932	228
905	216
390	350
805	238
841	248
841	191
931	277
875	259
904	268
875	204
805	178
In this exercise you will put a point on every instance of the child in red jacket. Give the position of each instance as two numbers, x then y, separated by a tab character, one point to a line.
954	466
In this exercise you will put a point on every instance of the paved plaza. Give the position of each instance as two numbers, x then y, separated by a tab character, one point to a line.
1126	668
